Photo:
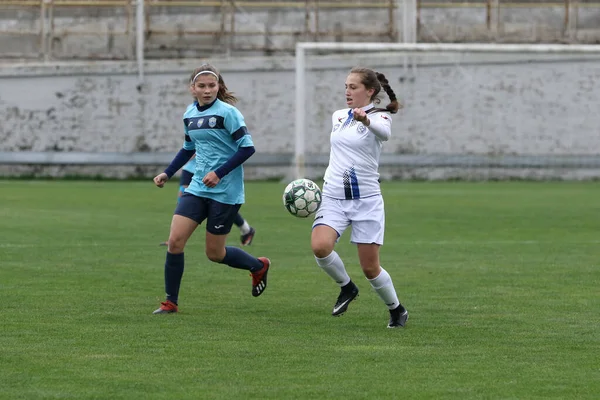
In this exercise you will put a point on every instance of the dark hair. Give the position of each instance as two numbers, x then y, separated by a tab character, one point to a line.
223	94
377	81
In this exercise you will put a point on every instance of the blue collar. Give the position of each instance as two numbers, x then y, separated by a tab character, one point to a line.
204	107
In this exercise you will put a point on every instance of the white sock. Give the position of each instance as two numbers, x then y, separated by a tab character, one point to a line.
384	287
245	228
334	267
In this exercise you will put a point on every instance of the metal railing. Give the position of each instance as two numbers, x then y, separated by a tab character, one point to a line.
229	18
228	12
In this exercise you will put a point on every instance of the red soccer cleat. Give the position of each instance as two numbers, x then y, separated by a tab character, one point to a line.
259	278
166	307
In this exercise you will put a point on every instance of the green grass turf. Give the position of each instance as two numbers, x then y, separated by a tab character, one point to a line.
502	282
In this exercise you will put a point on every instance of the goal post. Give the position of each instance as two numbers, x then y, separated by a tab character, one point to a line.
540	81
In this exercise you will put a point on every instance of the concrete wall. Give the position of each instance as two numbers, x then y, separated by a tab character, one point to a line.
259	31
470	106
520	24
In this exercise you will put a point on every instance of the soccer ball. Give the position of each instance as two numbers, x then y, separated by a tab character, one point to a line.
302	198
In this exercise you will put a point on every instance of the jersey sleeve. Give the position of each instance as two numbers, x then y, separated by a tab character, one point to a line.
188	143
380	124
236	126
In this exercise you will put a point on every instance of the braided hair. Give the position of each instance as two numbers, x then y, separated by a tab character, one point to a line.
377	81
223	94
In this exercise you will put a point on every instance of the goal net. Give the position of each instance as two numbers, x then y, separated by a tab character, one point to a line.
471	111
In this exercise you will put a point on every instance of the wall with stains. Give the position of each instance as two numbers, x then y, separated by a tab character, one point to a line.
181	32
470	106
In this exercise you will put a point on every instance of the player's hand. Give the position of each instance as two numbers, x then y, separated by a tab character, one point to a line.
211	179
161	179
360	115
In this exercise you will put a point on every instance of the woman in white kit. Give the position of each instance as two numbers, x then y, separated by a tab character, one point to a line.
351	192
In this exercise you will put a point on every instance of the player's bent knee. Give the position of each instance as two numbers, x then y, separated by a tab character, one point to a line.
371	271
321	248
215	255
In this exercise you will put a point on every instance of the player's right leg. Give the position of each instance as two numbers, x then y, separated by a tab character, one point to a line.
218	225
184	181
327	228
189	213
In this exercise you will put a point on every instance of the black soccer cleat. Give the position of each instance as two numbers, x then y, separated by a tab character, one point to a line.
347	294
246	239
398	317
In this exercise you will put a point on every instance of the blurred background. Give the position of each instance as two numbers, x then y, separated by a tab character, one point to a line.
98	87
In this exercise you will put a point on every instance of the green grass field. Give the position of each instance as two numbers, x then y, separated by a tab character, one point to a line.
502	281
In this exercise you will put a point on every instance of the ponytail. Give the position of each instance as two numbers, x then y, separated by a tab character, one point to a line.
394	105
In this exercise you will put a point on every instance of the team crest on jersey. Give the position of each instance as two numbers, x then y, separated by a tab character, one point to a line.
341	119
212	121
361	128
200	121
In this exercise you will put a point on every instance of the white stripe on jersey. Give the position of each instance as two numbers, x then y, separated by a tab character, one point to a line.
352	172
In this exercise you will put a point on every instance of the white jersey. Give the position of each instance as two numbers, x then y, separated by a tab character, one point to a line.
354	158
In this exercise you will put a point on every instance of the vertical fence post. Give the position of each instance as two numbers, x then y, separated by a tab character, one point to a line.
224	38
43	28
300	128
566	30
50	37
488	15
129	30
140	24
232	27
575	16
418	20
316	9
307	28
409	21
391	22
404	20
497	24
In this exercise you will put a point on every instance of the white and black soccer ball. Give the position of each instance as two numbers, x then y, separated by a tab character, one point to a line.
302	198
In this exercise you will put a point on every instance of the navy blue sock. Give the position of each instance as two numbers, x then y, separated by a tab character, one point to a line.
238	258
239	220
173	273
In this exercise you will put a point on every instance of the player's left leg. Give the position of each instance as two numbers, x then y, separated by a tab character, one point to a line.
368	228
246	231
218	226
381	282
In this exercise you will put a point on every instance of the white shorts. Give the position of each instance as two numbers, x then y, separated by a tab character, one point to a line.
366	216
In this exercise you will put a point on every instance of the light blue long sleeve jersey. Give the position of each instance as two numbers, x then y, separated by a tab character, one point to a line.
191	165
215	132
